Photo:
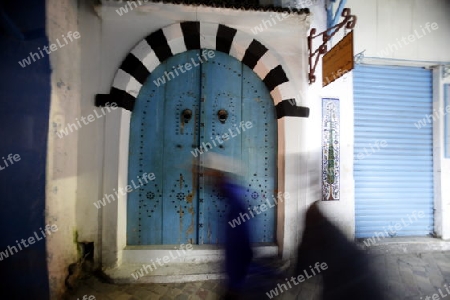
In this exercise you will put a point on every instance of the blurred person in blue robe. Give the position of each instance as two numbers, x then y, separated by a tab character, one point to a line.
222	172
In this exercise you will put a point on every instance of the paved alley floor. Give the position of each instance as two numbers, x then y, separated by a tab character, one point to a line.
404	276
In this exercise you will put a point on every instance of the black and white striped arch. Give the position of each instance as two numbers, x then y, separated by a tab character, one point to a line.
164	43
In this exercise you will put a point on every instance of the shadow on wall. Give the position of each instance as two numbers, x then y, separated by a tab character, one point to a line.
306	171
25	94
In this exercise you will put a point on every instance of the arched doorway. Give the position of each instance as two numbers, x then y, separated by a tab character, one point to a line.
212	103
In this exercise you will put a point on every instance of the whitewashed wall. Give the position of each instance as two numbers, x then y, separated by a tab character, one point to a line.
75	177
61	174
411	33
91	137
342	211
383	32
441	162
385	23
107	39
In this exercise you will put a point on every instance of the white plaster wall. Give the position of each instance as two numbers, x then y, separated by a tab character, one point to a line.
342	211
379	24
441	162
132	27
445	166
384	22
108	38
91	137
62	171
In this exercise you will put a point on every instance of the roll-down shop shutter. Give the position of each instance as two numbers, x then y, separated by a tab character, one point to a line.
393	167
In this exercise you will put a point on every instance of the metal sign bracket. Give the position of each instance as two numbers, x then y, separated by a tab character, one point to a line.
349	22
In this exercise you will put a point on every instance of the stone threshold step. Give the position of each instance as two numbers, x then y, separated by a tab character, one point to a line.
405	245
167	273
181	272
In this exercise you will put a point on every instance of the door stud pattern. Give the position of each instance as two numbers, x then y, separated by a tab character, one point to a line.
189	112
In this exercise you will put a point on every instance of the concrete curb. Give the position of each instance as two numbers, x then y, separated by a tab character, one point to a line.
406	245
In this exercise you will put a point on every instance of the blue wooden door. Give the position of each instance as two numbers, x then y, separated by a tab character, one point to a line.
175	114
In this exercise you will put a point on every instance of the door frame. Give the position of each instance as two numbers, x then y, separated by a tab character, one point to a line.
131	75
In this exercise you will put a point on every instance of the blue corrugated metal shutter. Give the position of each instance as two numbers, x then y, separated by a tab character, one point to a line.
393	167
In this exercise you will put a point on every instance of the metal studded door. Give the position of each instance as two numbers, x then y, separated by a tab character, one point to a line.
175	114
164	127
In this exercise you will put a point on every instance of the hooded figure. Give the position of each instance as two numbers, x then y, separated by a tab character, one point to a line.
349	274
238	253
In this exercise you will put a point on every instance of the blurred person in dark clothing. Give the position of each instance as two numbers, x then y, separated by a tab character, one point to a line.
221	170
349	274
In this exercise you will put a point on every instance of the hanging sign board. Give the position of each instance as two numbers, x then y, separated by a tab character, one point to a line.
338	61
